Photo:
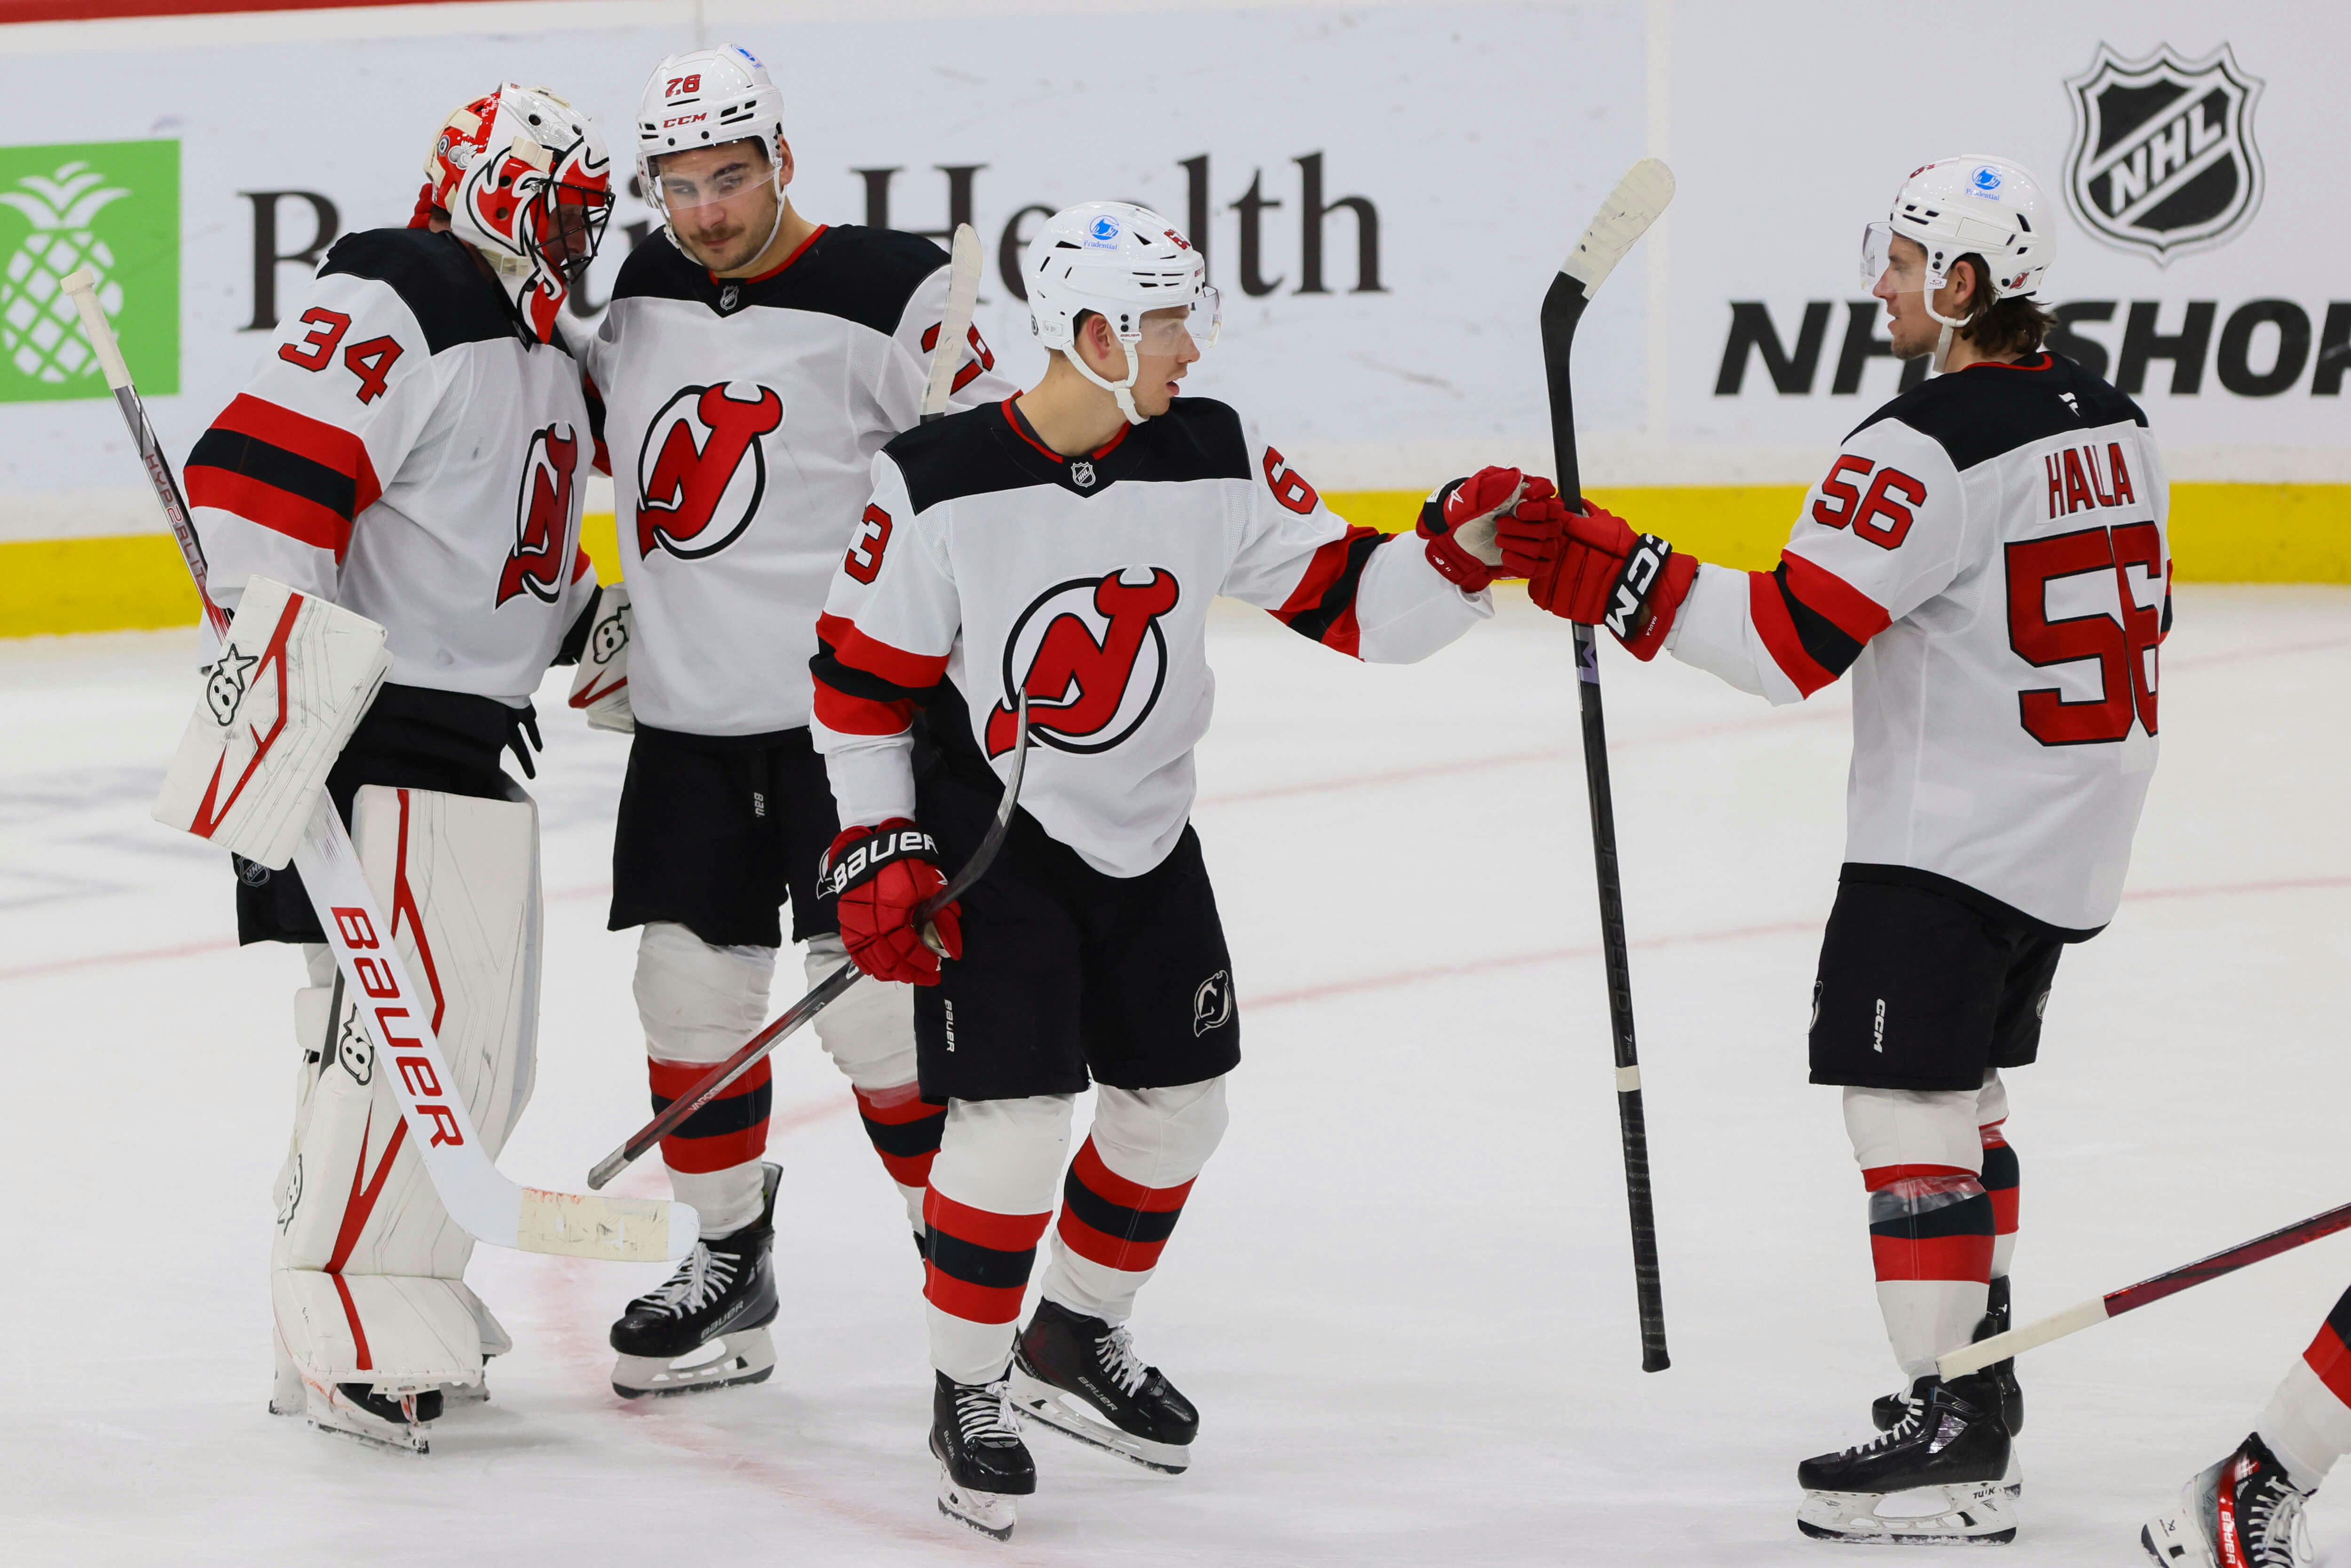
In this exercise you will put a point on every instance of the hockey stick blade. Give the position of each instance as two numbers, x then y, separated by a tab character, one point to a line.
716	1081
2114	1303
479	1198
954	326
1635	203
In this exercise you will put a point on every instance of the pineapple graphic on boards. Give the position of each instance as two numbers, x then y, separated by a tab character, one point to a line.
113	207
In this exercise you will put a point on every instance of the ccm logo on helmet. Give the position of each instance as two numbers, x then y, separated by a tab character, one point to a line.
684	119
1092	658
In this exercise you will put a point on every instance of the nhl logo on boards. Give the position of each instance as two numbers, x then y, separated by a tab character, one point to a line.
1212	1004
2163	161
1081	474
226	679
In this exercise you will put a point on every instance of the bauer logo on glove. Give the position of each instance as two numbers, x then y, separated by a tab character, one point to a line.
278	703
865	857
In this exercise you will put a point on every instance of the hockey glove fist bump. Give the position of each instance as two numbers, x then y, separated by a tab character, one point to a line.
877	875
1606	575
1496	523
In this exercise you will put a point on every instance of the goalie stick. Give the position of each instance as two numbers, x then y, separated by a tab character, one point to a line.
955	327
1637	202
2114	1303
479	1196
715	1081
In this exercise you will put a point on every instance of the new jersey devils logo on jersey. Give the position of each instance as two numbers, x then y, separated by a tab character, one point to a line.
1092	658
538	563
701	471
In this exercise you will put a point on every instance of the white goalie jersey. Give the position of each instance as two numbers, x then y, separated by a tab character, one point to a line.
742	418
986	564
408	453
1989	555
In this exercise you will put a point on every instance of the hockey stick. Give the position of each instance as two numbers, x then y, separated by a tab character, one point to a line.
1635	203
482	1201
715	1081
955	327
2114	1303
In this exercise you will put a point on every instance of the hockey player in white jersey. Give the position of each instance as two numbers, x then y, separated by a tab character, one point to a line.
1067	543
754	361
412	449
1987	554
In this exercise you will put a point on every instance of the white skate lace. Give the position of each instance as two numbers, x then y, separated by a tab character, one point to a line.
980	1415
702	1278
1115	1351
2274	1525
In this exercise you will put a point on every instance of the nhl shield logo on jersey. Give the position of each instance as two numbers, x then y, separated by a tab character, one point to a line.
2163	159
1212	1004
1092	658
1081	474
540	561
700	470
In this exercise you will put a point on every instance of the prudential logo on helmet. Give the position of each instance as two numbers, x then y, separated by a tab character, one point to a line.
1987	181
1103	233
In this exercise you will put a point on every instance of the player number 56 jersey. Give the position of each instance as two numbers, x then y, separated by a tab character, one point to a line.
1988	554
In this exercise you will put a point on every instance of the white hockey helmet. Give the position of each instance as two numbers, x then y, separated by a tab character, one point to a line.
708	98
1976	205
526	181
1119	261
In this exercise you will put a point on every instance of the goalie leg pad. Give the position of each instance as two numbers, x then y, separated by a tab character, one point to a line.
459	878
699	1003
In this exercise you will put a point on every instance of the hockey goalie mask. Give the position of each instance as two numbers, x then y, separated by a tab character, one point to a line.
526	181
1121	262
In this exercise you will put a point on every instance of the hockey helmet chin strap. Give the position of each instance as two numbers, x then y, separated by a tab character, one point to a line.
1122	390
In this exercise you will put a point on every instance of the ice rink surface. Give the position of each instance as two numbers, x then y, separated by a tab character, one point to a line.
1402	1293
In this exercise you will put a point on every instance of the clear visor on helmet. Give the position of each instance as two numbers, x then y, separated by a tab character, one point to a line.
1877	256
572	224
677	192
1174	328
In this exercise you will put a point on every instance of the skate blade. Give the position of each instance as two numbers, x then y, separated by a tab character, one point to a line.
989	1512
747	1356
337	1418
1975	1514
1031	1396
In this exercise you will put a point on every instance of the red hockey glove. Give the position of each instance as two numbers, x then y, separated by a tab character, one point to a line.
879	874
1496	523
1609	576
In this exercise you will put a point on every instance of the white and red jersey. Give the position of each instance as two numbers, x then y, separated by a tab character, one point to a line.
742	417
990	563
1987	553
408	451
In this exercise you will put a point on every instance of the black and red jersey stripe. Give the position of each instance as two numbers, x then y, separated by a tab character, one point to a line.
1813	622
865	687
977	1263
1321	608
285	471
1117	1223
729	1131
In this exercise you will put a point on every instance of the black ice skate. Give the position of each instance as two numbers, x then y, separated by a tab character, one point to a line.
1888	1408
1081	1377
2245	1500
983	1463
1950	1452
706	1326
